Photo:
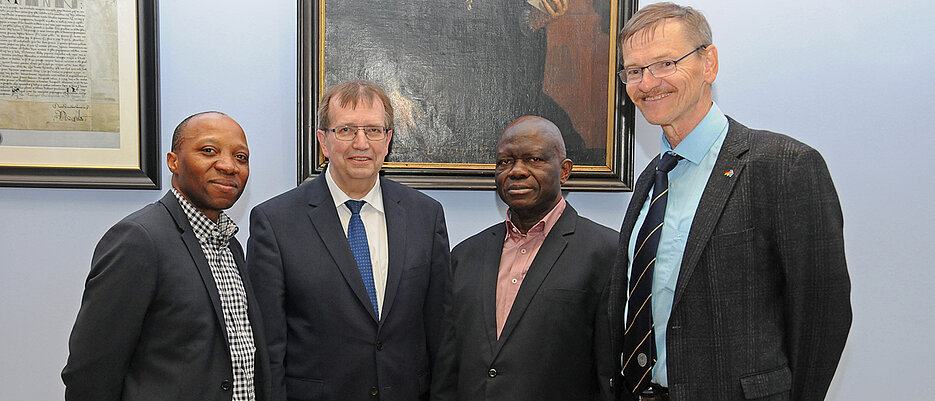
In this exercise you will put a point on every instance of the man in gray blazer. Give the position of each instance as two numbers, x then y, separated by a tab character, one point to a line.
527	316
168	311
731	281
350	269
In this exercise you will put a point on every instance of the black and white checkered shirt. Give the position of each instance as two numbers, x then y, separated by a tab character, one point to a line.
214	238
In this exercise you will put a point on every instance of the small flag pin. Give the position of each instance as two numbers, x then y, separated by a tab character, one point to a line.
729	173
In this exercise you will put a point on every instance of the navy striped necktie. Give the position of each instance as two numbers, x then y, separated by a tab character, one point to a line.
639	350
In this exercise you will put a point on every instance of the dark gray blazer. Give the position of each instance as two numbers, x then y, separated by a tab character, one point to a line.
555	344
762	305
325	342
150	325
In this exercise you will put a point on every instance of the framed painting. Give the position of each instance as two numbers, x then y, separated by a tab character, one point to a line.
458	71
78	94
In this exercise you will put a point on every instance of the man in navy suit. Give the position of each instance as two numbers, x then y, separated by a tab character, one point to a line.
747	294
350	268
168	311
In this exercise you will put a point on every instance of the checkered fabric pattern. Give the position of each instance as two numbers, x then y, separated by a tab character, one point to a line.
214	238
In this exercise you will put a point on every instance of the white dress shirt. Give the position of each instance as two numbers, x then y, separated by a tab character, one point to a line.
374	218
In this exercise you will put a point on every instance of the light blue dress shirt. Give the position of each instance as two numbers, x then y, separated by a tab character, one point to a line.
687	182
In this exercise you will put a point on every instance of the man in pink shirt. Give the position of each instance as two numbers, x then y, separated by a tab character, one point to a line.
526	318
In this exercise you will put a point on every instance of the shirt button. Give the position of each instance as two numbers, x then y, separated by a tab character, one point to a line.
226	385
379	346
514	281
492	373
374	392
522	251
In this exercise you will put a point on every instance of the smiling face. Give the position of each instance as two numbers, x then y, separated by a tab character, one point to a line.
210	166
680	101
354	165
531	168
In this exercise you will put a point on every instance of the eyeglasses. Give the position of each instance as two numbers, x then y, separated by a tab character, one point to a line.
659	69
349	132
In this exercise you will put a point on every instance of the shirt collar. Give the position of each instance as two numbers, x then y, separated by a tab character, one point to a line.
205	229
697	143
373	198
540	228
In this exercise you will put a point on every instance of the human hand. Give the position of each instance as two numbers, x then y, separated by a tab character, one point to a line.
546	11
555	8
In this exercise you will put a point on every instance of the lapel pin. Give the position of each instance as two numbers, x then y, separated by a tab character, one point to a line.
729	173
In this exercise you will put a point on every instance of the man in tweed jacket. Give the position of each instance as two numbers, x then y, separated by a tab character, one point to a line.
750	291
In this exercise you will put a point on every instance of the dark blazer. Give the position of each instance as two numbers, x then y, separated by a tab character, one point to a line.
324	339
762	304
150	325
555	344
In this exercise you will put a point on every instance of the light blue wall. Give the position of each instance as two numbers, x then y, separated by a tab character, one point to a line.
851	78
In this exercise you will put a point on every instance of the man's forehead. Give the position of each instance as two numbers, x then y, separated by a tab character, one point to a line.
662	30
214	128
339	101
528	141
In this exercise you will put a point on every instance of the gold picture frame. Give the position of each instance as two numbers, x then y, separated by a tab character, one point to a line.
457	74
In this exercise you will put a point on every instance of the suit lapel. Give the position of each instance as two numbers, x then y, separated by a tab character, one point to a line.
644	185
324	217
396	224
716	192
490	265
198	256
548	254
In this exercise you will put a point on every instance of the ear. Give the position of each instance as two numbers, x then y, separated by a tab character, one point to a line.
566	169
321	142
389	137
710	64
172	160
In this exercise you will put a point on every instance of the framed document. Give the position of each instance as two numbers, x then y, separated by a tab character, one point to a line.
78	94
458	71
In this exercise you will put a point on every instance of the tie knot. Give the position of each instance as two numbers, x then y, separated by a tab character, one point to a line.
355	206
668	162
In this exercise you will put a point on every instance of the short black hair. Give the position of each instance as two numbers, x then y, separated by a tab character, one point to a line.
179	132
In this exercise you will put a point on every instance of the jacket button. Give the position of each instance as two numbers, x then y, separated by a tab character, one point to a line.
492	373
379	346
226	385
374	391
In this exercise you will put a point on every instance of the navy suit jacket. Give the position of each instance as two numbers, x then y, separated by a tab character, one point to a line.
325	341
555	344
150	325
762	303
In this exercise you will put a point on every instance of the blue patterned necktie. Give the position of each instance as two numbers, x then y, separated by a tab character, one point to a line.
639	348
357	239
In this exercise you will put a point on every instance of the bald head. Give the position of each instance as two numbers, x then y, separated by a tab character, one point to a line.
531	168
539	126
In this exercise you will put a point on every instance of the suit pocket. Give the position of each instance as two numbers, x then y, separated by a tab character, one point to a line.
303	389
732	239
774	384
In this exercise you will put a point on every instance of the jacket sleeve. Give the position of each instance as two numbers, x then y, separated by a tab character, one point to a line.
603	354
264	265
810	237
117	294
445	370
433	309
